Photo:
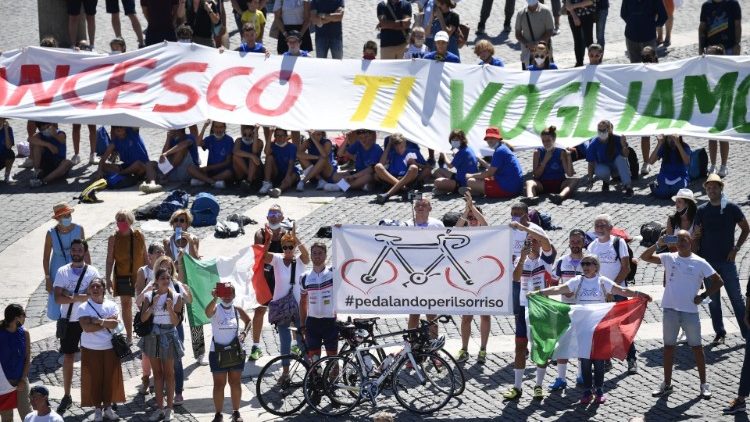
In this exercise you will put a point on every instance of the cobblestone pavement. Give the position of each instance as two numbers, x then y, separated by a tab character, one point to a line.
23	210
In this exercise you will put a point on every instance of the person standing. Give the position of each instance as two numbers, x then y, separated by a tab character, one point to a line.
685	272
203	17
581	17
74	16
39	398
327	15
534	23
113	8
720	24
394	21
716	221
317	311
15	360
292	15
484	14
160	20
723	146
641	17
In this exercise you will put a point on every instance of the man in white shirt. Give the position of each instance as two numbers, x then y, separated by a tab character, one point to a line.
39	397
317	311
685	272
612	252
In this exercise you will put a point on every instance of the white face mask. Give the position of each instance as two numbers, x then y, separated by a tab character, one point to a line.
539	61
493	144
219	135
247	140
455	144
282	145
47	132
184	41
227	303
603	135
274	226
418	42
113	52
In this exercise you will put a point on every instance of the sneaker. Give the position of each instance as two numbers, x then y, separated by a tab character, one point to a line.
723	171
143	389
664	390
706	391
35	183
711	169
645	169
203	361
265	187
681	337
300	186
605	186
381	198
220	184
601	398
143	187
178	399
530	200
98	415
480	30
296	350
462	356
255	353
110	414
331	187
735	406
65	404
556	31
667	42
719	339
628	192
168	414
274	193
538	393
153	187
236	416
512	394
218	417
556	198
93	160
632	367
76	160
587	398
367	187
321	184
482	356
197	182
27	163
559	384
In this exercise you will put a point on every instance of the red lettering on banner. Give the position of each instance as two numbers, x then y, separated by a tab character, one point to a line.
31	80
3	85
170	83
69	87
117	83
295	88
212	94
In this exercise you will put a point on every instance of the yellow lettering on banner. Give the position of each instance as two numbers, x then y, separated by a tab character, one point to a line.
399	101
372	85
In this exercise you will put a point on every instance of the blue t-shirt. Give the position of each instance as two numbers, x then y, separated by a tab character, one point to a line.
718	230
409	144
257	48
494	61
448	57
284	156
673	167
393	37
331	29
61	148
509	175
554	169
193	149
552	66
397	163
302	53
597	151
464	161
218	149
13	352
364	158
131	148
313	150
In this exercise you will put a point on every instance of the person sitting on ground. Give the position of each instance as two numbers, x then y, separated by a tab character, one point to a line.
7	156
486	53
441	53
673	175
249	42
464	161
403	167
280	171
607	154
541	58
370	50
417	48
128	144
218	169
181	151
246	162
552	171
318	160
366	153
504	177
48	154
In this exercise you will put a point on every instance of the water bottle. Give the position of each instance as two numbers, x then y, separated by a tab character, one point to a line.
369	364
387	362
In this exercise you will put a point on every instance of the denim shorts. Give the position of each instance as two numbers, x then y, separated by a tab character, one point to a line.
688	321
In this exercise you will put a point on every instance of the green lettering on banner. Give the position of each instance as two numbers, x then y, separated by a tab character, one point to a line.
739	112
631	105
465	123
662	99
696	89
587	111
568	114
501	108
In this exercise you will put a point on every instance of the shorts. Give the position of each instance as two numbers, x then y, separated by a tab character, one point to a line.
321	332
689	322
521	330
179	173
74	7
213	365
214	172
493	190
279	177
6	155
157	35
69	343
50	163
551	186
113	6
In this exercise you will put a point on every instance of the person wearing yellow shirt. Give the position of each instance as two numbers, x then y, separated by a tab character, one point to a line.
255	16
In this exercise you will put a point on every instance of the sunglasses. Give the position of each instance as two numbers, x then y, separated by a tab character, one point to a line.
274	214
586	264
96	286
540	56
287	248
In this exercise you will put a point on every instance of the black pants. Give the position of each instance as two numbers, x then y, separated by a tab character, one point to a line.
583	36
484	13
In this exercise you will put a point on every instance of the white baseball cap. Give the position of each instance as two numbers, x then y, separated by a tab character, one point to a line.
441	36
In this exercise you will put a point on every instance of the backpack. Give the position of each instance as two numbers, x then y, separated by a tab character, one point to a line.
176	200
225	229
205	210
102	140
633	264
542	219
698	167
650	232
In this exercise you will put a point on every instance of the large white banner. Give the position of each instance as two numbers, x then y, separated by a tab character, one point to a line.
173	85
408	270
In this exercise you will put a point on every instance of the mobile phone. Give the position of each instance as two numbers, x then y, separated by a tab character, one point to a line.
224	290
527	243
177	233
670	239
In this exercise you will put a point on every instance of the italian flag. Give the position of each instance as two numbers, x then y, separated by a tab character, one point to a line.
594	331
244	270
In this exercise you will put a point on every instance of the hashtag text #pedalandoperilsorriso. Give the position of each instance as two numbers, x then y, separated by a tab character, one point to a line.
451	302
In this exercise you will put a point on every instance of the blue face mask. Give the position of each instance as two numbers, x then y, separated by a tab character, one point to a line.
66	221
516	219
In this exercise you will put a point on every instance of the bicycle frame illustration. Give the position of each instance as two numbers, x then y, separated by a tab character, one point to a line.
445	243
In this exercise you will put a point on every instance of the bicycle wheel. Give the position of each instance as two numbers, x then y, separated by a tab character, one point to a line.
458	372
331	386
282	397
425	388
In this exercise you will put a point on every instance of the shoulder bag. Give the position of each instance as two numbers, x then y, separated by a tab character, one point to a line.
232	354
119	344
124	286
62	323
143	328
284	310
274	31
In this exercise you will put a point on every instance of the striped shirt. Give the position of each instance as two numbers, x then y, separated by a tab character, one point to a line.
319	289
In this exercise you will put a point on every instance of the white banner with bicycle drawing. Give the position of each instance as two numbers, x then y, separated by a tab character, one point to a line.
407	270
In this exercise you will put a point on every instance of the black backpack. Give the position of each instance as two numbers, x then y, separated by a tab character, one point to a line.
176	200
633	263
651	232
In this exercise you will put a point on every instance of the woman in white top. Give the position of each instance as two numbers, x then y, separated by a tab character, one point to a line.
226	328
283	265
587	289
101	370
162	346
144	276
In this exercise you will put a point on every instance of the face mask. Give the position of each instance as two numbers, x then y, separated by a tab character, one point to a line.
227	303
247	140
539	61
219	135
113	52
681	212
123	226
516	219
282	145
184	41
47	132
603	135
294	52
419	42
274	226
368	56
455	144
66	222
